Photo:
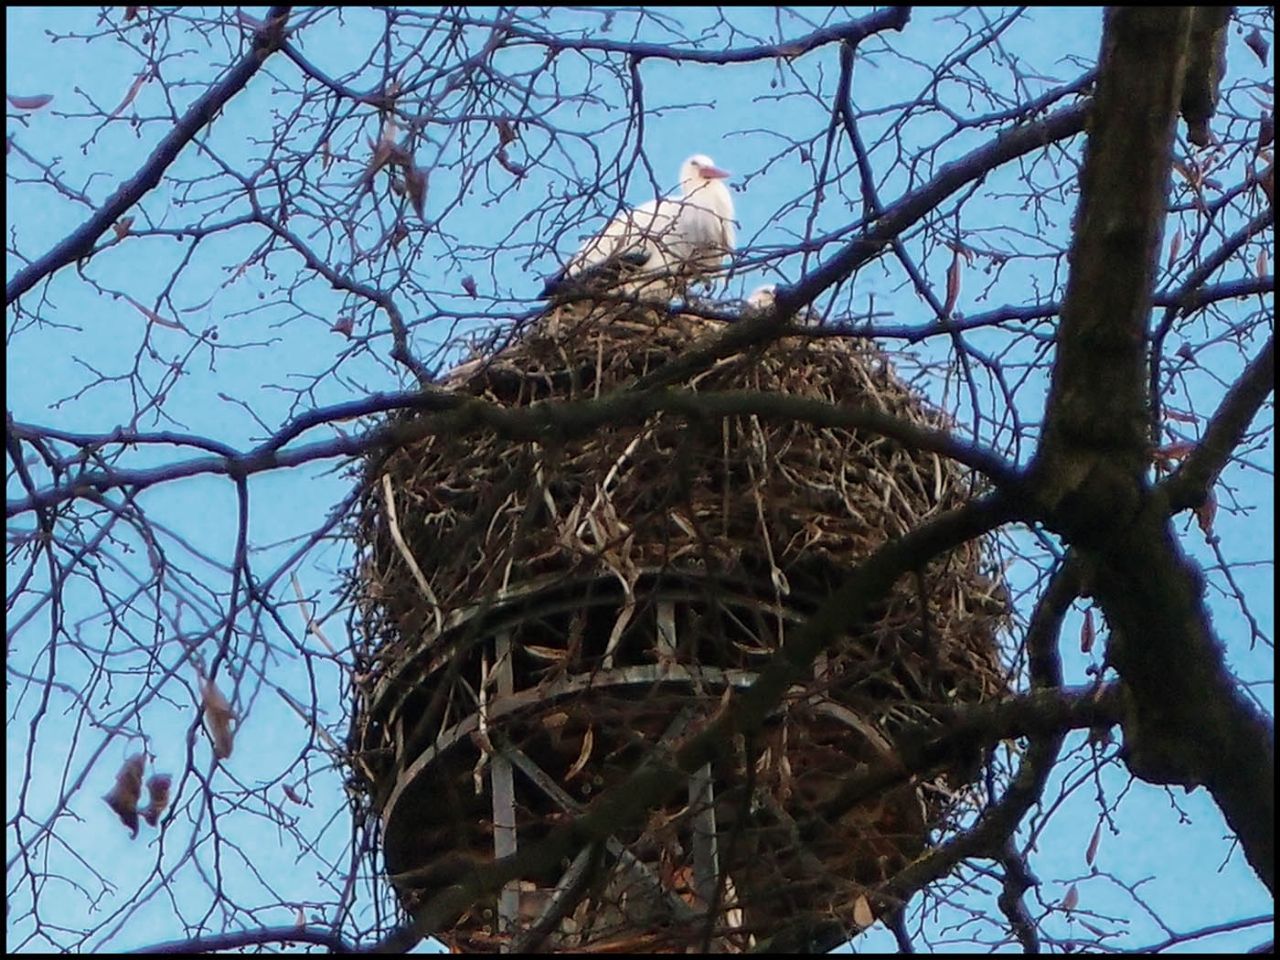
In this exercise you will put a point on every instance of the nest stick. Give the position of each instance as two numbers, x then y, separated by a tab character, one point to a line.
603	490
393	524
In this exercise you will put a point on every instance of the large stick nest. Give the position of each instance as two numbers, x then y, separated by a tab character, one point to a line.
745	524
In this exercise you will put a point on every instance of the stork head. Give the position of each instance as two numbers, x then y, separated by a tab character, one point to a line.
702	184
698	169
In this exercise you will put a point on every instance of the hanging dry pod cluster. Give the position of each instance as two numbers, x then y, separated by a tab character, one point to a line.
127	792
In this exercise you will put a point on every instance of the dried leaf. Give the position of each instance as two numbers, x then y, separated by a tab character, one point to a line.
1091	854
218	717
1071	899
383	151
138	81
1256	42
552	654
1180	416
588	741
1086	632
130	13
30	103
124	796
953	283
862	914
1206	512
415	181
292	794
344	326
1174	246
301	919
121	227
469	285
1260	265
506	133
153	316
158	792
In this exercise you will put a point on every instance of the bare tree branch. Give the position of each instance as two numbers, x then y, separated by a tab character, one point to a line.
79	243
463	416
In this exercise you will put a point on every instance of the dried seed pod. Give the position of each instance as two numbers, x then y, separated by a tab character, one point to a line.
158	790
218	717
124	796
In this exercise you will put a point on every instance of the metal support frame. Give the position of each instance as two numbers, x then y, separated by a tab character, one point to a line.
503	790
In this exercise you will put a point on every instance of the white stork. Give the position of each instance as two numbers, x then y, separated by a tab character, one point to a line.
662	246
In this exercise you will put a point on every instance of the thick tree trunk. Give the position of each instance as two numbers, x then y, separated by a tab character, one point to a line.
1186	721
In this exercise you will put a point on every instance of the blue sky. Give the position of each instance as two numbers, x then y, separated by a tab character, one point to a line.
736	115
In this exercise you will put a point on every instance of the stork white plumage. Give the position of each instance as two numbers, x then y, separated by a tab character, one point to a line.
663	245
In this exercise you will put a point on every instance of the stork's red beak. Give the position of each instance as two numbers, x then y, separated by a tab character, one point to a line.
713	173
